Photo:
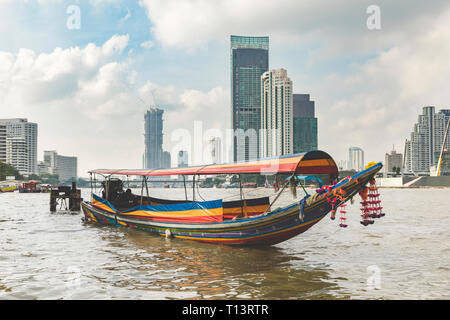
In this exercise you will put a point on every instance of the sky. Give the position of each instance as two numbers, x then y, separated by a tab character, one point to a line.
86	71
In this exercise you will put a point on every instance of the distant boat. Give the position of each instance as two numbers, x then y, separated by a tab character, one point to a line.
8	189
241	222
31	186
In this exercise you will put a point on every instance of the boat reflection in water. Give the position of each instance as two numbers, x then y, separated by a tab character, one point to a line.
188	269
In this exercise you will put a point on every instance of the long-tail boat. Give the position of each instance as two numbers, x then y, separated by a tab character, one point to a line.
241	222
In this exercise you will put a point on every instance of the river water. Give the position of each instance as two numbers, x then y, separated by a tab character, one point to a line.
405	255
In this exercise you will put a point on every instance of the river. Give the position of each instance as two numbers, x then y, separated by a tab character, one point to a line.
404	255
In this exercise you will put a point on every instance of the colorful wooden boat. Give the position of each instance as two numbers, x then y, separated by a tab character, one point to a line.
219	221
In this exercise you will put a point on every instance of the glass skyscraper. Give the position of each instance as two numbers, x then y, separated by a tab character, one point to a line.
153	155
304	123
249	60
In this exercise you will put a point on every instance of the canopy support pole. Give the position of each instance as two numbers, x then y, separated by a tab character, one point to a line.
241	193
193	189
185	190
146	187
278	195
142	190
91	183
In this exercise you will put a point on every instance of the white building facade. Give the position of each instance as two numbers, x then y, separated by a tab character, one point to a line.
423	148
2	142
17	154
276	114
65	167
355	159
21	128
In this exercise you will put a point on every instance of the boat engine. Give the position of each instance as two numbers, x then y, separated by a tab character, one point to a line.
112	188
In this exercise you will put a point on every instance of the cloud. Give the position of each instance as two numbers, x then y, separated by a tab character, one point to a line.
126	17
86	102
387	93
332	26
147	44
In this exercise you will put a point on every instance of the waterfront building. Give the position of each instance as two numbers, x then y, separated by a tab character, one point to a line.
424	146
2	142
355	159
28	131
153	132
65	167
43	168
305	133
17	154
167	160
249	60
183	159
276	114
391	161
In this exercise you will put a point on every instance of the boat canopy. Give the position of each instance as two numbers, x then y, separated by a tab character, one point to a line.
313	162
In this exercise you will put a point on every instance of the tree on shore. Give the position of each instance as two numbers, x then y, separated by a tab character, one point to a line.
7	170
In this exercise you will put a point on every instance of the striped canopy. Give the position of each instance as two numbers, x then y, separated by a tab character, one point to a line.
313	162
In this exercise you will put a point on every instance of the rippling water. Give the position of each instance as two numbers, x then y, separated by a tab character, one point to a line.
405	255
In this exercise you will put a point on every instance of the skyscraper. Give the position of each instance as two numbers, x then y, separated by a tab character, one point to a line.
276	114
305	124
249	60
153	127
182	159
355	158
423	149
28	131
167	160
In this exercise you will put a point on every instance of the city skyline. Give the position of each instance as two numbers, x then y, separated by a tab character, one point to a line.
82	86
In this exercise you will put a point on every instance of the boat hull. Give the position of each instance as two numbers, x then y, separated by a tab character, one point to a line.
272	228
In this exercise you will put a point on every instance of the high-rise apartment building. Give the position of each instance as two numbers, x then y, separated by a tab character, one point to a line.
355	159
249	60
276	114
21	128
17	154
2	142
304	124
153	128
65	167
424	146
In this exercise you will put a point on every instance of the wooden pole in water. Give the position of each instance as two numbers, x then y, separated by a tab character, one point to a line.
53	195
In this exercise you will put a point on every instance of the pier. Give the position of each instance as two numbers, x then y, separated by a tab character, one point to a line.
60	195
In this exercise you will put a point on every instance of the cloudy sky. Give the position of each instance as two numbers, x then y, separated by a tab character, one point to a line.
83	80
